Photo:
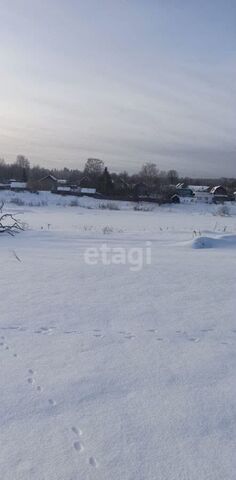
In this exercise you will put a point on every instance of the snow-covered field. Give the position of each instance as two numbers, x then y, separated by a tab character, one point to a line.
112	372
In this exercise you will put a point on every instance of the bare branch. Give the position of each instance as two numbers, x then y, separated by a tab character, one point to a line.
9	224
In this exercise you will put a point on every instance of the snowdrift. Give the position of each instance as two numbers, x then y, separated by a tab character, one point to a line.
224	241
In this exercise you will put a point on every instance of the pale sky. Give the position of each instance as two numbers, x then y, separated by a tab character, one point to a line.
127	81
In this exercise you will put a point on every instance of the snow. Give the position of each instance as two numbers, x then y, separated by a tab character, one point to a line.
108	373
222	241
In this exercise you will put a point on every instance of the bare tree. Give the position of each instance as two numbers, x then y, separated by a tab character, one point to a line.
93	167
22	162
172	177
149	174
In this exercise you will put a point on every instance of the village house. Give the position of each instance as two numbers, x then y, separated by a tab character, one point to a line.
50	183
219	194
18	186
4	186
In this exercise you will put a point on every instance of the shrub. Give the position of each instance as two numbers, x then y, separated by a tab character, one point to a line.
143	208
223	211
109	206
107	229
17	201
74	203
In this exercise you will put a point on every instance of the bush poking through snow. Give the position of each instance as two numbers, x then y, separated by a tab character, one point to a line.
108	206
107	229
74	203
223	211
143	208
17	201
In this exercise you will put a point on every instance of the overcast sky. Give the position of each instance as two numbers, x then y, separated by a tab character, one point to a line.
127	81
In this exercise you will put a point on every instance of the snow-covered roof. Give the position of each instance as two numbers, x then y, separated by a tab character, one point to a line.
20	185
214	189
63	189
199	188
49	176
88	190
61	181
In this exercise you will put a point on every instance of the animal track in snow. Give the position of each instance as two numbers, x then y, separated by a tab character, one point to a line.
78	446
45	330
31	380
68	332
52	402
194	339
5	346
93	462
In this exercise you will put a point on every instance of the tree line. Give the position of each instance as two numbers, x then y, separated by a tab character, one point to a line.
96	174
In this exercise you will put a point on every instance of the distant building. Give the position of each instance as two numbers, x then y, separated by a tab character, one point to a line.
220	194
48	183
85	182
219	190
5	186
184	192
199	188
205	197
63	190
18	186
175	198
88	191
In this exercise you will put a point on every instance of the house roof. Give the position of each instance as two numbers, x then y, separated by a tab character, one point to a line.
84	179
54	179
214	189
198	188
